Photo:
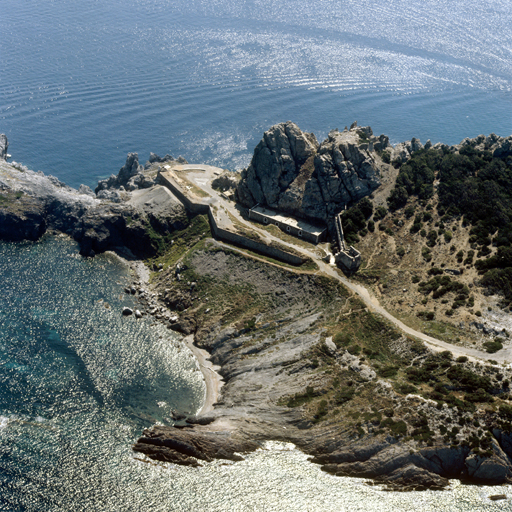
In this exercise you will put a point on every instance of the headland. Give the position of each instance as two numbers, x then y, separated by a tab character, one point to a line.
334	287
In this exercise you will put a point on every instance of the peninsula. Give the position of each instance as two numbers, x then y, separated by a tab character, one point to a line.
354	296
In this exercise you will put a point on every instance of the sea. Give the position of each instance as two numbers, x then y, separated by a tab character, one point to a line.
84	82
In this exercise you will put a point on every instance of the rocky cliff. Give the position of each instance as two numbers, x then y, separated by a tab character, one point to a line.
290	171
32	203
4	144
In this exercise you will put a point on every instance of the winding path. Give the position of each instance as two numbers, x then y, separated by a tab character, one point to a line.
503	356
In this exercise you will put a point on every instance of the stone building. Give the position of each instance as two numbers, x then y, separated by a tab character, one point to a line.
299	228
348	259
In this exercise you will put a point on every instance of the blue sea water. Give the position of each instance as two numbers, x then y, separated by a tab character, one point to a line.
83	82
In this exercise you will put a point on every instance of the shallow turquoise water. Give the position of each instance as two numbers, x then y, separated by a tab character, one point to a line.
78	381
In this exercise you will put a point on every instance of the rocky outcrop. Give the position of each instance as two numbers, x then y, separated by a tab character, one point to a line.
187	446
291	172
32	203
155	159
404	150
500	147
226	181
130	177
21	218
4	144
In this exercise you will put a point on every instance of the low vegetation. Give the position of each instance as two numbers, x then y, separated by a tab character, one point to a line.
474	185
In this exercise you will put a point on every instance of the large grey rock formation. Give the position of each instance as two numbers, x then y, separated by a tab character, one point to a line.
4	144
291	172
404	150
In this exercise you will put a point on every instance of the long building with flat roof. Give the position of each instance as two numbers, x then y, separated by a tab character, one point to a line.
297	227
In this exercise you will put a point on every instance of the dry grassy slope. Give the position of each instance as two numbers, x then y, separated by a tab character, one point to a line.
390	275
272	331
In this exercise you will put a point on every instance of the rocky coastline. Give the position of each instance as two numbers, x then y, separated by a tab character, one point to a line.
275	351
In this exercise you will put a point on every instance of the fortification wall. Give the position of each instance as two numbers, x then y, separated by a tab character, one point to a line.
187	202
253	245
224	234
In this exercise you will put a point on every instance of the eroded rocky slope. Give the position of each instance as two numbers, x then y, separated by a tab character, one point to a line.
139	218
303	361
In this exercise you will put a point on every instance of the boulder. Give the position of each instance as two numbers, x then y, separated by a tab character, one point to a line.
127	311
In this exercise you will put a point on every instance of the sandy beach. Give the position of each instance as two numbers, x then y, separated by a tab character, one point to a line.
212	379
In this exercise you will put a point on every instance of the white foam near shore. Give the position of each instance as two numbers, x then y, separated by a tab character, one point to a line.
4	421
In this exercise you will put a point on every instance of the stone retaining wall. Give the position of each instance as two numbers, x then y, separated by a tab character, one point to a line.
242	241
224	234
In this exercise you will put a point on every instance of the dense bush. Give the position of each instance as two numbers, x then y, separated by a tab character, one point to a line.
354	220
473	184
380	213
405	388
467	380
426	315
416	177
493	346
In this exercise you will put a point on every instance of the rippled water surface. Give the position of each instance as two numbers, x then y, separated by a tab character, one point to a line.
84	82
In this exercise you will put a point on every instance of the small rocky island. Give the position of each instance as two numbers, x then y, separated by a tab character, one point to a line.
333	284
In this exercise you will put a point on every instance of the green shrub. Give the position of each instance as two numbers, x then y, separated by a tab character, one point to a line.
355	350
426	315
387	371
342	339
493	346
432	238
479	396
404	388
321	411
344	395
409	211
399	428
469	258
380	213
301	398
467	380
